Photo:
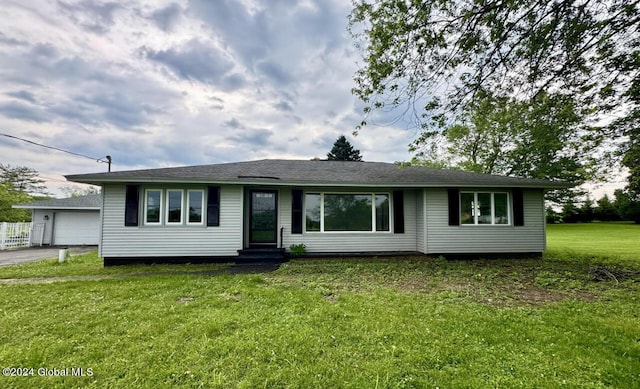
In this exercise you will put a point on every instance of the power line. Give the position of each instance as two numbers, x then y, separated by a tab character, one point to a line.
52	147
108	158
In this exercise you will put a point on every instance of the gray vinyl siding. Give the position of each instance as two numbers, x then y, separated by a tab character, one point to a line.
38	219
170	241
425	221
354	242
475	239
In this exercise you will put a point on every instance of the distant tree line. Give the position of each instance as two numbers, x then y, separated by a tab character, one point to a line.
19	184
622	207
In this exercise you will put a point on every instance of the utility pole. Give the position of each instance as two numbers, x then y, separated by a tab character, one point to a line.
109	162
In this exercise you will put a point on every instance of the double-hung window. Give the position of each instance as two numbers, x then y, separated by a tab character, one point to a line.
334	212
484	208
152	206
195	204
174	206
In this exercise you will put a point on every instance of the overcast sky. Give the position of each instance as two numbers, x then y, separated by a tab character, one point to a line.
170	83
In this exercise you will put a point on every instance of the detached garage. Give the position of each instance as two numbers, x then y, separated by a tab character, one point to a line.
72	221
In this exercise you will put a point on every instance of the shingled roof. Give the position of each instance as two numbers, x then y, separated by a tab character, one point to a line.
316	173
80	202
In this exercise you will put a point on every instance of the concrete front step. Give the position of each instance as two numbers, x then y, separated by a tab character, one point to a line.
261	254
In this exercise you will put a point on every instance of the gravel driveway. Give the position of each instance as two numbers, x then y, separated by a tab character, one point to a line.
14	257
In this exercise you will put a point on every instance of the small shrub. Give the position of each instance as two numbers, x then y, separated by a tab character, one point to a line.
298	249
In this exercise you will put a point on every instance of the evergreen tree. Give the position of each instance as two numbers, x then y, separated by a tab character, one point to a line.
22	179
586	211
605	210
343	151
552	216
570	213
628	208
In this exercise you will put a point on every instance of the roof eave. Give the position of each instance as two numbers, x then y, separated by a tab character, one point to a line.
19	206
276	182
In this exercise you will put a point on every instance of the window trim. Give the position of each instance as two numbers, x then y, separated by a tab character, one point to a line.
493	208
373	212
167	210
188	206
146	207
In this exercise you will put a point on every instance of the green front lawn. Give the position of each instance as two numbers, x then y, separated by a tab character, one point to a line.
618	242
566	320
91	265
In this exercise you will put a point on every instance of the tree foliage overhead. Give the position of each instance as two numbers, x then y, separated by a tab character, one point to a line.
438	59
516	47
544	139
343	151
632	161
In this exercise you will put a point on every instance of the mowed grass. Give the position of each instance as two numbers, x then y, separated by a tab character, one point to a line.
619	242
91	265
567	320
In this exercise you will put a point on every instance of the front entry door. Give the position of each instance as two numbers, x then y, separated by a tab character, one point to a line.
263	218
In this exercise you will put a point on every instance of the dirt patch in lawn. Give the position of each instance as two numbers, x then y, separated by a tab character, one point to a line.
533	295
503	283
503	293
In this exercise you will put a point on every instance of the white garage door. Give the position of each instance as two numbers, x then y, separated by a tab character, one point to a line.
76	228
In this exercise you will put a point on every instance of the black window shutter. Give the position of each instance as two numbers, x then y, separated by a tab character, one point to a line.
132	204
213	206
454	207
518	207
398	212
296	211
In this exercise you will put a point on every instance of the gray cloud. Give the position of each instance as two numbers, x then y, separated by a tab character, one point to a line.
232	82
196	61
97	17
23	95
233	123
247	34
283	106
254	136
168	17
44	66
90	91
274	72
324	26
278	40
45	50
18	110
297	119
217	103
4	39
87	92
120	110
76	111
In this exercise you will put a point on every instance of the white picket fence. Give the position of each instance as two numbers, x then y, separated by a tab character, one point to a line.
14	235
